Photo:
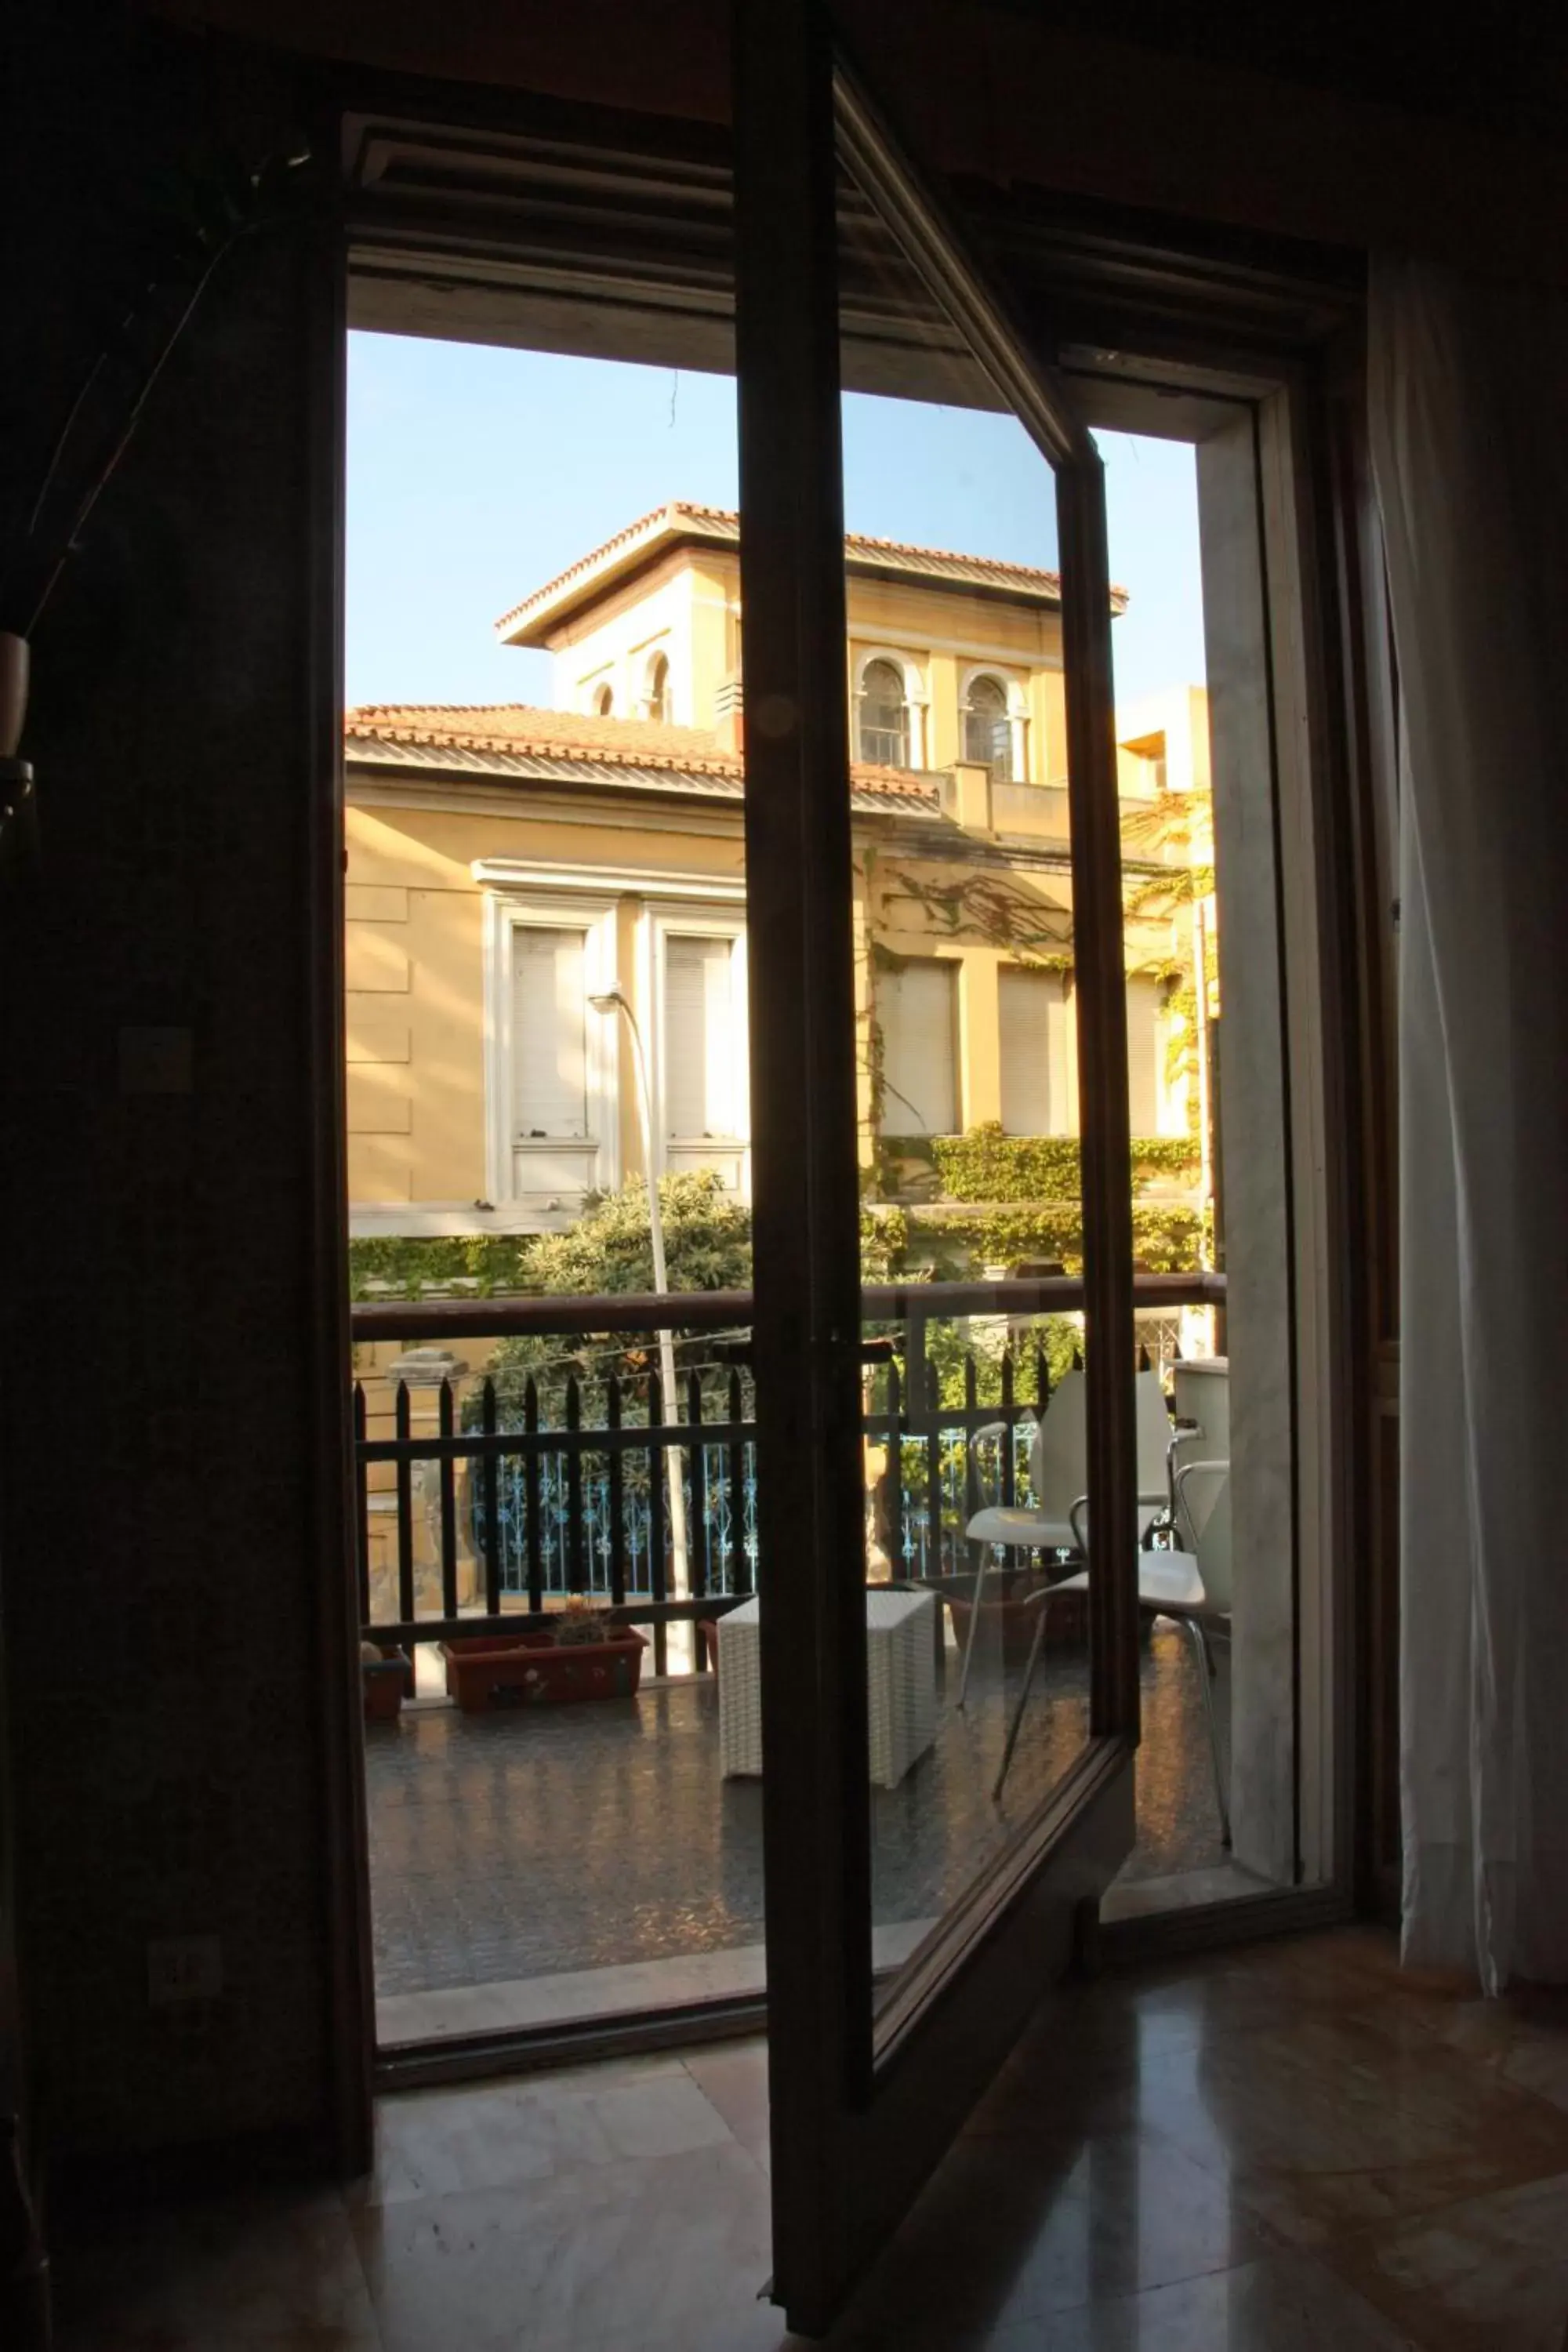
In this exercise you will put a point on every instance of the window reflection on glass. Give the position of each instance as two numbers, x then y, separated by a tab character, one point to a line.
884	716
988	729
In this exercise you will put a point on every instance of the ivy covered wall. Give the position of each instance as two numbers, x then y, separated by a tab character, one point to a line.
990	1199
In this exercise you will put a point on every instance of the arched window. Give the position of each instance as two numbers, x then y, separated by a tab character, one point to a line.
884	716
988	729
604	702
656	701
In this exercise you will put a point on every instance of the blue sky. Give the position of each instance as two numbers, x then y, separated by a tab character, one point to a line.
475	474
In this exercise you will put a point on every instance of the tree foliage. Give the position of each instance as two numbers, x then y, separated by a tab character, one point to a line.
609	1250
707	1241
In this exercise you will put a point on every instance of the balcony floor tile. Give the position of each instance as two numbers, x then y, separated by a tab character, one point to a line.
530	1867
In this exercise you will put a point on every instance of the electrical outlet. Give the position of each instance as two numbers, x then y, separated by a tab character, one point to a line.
184	1968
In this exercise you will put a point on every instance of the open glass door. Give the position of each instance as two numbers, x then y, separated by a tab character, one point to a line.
935	937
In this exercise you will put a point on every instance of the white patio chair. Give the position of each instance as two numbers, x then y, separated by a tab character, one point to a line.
1058	1473
1191	1588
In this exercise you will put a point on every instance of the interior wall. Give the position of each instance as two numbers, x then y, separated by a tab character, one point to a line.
168	1721
174	1536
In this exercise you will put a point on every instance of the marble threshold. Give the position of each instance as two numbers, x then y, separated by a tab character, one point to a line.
588	1996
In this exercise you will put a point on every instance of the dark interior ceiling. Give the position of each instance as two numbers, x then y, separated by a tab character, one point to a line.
1502	66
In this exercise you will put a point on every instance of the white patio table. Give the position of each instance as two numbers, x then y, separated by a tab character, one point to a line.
900	1677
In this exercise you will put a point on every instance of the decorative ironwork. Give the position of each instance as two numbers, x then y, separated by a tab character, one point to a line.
532	1504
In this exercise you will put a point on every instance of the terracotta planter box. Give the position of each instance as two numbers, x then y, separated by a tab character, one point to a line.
1016	1624
387	1682
534	1670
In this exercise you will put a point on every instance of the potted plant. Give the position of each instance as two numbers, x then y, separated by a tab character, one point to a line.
387	1677
1007	1622
584	1655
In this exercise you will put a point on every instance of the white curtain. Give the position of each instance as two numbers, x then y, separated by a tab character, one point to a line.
1468	392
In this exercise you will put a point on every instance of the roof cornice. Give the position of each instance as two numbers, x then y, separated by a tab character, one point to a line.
681	523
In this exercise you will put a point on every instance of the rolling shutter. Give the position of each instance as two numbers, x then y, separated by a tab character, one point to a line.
549	1032
701	1041
916	1010
1026	1001
1143	1047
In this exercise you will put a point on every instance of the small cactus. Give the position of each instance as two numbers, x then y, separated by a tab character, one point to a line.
580	1621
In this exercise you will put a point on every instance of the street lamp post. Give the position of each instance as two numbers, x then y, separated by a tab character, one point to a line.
610	1001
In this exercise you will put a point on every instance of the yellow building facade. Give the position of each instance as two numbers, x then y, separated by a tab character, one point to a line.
507	865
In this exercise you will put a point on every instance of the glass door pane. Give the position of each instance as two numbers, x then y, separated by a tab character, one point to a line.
943	1303
976	1455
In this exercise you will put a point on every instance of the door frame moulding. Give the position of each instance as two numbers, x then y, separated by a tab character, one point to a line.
1178	361
501	218
1323	885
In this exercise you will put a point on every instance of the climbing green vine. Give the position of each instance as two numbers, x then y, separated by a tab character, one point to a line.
1022	1195
985	1164
406	1264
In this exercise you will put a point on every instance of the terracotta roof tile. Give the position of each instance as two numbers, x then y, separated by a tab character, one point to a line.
519	726
516	727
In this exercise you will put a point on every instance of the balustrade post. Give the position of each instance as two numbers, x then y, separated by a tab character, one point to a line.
403	1469
534	1501
657	1577
576	1579
361	1505
698	1536
617	1483
737	1568
447	1482
489	1488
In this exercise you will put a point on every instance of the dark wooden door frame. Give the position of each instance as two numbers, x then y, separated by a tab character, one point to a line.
1175	290
344	1860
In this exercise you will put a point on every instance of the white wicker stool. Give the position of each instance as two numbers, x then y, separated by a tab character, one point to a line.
900	1685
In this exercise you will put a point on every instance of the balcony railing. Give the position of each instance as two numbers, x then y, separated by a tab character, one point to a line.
541	1489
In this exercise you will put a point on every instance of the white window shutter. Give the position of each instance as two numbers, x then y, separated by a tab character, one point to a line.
1026	1001
548	1032
700	1040
917	1014
1144	1056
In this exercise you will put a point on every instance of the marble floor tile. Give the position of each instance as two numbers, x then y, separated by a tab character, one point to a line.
668	2116
497	2135
669	2250
1125	2019
1290	2303
734	2078
1335	2122
1522	2038
257	2271
1490	2272
490	2135
1286	2146
1012	2231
